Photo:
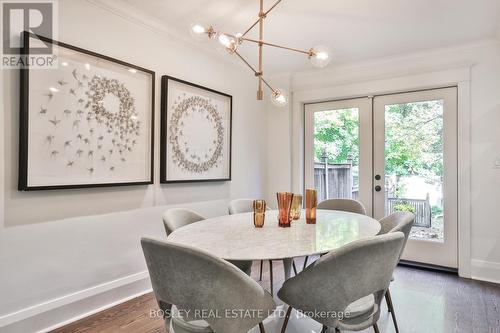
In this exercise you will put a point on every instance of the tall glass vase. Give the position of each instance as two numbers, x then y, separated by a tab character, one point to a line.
284	206
311	204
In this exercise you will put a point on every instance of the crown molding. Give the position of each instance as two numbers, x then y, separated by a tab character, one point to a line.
132	15
404	64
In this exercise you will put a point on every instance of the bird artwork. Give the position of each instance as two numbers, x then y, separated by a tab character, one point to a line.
84	128
54	121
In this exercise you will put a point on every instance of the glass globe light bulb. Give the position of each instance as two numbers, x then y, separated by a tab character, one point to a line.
279	97
198	29
320	56
230	44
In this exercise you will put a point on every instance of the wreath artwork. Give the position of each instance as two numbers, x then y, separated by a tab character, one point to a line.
195	133
182	156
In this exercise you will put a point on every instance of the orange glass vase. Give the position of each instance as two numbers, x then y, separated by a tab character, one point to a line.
259	213
311	204
296	207
284	206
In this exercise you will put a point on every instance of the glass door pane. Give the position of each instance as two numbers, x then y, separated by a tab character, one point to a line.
338	150
414	165
336	153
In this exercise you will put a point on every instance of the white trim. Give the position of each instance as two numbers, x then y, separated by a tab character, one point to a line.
485	271
464	178
40	308
94	311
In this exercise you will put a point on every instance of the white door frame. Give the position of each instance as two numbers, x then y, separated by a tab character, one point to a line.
457	76
418	250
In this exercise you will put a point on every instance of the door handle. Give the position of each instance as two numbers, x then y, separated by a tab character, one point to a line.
378	188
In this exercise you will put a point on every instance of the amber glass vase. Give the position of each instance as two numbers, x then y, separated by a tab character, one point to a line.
259	213
311	204
296	207
284	206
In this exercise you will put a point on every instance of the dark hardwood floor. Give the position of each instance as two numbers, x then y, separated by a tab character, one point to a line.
425	301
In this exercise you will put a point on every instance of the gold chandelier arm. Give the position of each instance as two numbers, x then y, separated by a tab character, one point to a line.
246	63
258	20
253	70
272	7
309	53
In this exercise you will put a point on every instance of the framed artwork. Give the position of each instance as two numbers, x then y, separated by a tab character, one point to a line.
86	123
195	133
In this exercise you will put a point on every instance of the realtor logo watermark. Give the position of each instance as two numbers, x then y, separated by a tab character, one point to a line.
35	19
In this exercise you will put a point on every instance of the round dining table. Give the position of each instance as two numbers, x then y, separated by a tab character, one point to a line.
234	237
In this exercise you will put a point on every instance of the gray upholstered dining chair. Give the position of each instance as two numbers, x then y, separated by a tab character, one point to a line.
200	285
399	221
179	217
345	205
238	206
344	288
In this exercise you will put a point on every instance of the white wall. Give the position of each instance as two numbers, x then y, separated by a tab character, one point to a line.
386	75
51	256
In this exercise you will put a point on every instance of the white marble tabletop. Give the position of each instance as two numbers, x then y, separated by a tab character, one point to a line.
233	237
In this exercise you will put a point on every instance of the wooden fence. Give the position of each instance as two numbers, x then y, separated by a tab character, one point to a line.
340	185
421	209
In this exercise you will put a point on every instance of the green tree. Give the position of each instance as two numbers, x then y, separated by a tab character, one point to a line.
336	133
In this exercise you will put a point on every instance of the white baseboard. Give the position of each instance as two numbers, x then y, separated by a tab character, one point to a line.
485	271
61	311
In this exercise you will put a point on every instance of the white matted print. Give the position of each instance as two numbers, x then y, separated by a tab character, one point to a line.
196	133
87	123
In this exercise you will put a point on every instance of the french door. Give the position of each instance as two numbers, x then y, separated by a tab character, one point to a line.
395	152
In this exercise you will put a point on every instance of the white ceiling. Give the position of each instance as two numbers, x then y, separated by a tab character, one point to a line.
354	30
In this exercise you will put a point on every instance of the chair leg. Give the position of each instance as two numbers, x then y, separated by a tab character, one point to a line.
375	327
261	328
389	309
305	262
287	316
271	275
390	305
294	267
260	275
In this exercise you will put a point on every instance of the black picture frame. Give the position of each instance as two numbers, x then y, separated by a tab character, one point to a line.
164	125
25	112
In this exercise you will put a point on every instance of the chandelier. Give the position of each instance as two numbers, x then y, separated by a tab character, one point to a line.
318	55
